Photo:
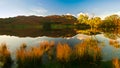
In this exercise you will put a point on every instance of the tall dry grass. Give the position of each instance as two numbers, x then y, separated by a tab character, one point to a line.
88	51
29	58
63	55
116	63
48	48
33	57
63	52
5	56
114	43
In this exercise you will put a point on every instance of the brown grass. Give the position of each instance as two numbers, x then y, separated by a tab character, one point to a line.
5	56
114	43
33	57
3	50
88	50
63	52
48	48
116	63
29	58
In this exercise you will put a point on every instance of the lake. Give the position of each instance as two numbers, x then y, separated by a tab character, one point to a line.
108	51
13	42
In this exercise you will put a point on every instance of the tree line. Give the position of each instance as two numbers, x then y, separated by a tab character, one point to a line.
108	24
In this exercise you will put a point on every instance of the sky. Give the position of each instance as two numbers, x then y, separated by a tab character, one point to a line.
102	8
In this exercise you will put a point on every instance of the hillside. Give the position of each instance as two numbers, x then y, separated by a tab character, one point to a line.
35	20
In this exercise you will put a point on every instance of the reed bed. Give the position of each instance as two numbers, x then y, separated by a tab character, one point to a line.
32	58
63	52
116	63
114	43
5	56
87	52
29	58
48	48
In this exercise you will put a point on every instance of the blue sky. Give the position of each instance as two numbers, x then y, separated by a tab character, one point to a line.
10	8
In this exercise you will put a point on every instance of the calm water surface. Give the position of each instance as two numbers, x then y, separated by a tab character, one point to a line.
108	51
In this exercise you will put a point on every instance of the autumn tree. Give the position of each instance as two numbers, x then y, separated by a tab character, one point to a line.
82	21
110	24
94	22
83	18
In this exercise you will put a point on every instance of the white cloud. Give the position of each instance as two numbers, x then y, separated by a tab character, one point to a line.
11	8
69	14
32	11
102	15
36	11
26	12
88	14
39	10
105	14
82	14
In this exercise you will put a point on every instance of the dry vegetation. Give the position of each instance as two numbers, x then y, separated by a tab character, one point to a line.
114	43
86	53
5	57
29	58
33	57
63	52
116	63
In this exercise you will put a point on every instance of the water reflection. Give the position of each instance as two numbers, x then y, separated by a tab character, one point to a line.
111	35
108	51
34	32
